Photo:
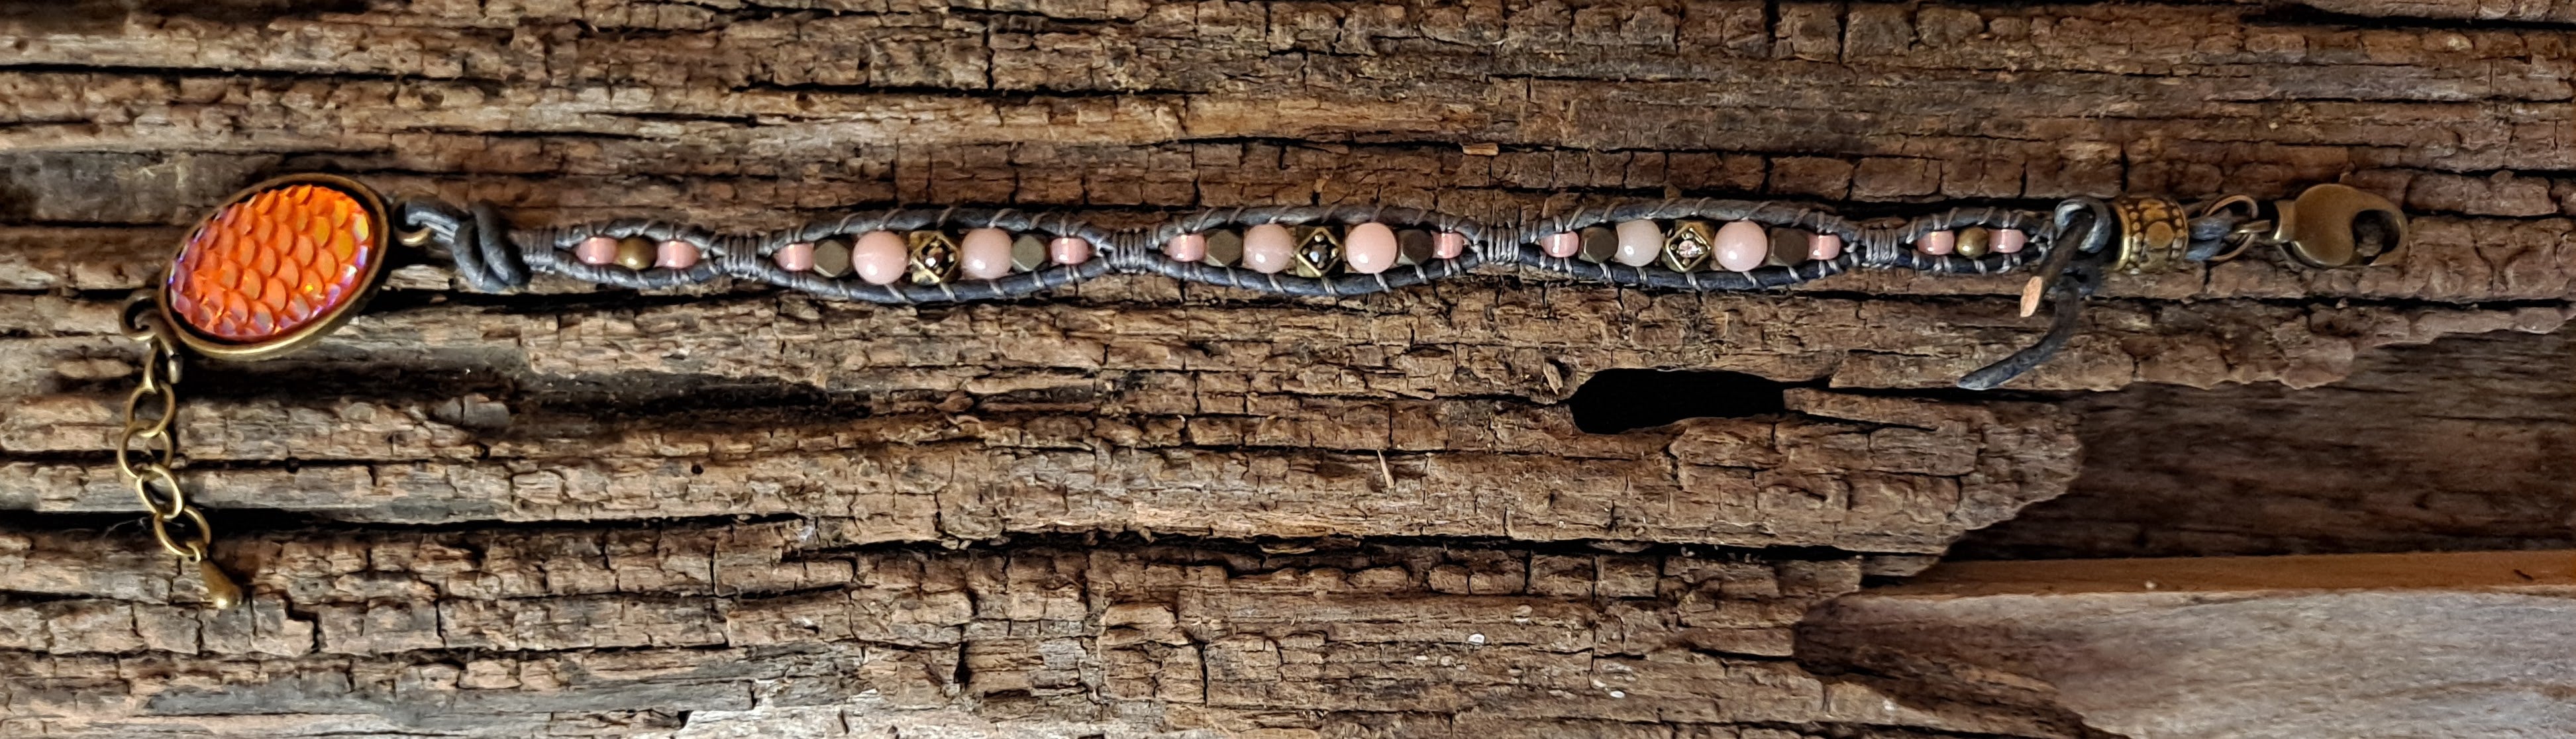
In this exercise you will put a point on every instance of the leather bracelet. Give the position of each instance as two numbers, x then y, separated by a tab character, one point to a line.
286	261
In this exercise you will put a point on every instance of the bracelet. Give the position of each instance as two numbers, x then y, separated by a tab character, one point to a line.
285	262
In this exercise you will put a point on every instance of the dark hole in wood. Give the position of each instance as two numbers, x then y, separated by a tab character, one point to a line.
1623	399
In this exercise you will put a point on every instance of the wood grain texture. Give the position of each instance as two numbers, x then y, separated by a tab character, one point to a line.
2462	444
1854	473
1137	509
2341	645
773	627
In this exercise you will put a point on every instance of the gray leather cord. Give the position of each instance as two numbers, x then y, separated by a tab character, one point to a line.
2086	229
492	256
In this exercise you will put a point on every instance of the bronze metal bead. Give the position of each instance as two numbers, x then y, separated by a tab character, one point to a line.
1319	250
1028	253
1788	247
832	256
2154	232
1975	242
934	258
1224	247
1599	244
636	252
1415	246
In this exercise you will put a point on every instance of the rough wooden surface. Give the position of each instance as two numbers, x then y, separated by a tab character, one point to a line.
772	627
1849	472
2467	443
2465	644
1138	509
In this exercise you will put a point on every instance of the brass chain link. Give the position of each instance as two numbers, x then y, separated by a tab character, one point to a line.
148	448
2247	233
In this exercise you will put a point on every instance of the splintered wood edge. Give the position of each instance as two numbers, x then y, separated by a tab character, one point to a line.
2543	570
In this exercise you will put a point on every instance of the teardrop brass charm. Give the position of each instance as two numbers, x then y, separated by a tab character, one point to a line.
221	593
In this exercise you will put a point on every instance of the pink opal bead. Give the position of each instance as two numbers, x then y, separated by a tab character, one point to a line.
1741	246
985	254
1640	243
1370	248
1824	246
1069	250
675	254
1186	248
2010	240
796	257
880	257
596	250
1269	249
1448	245
1561	245
1938	243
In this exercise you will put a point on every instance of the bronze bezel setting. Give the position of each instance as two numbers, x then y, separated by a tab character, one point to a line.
379	228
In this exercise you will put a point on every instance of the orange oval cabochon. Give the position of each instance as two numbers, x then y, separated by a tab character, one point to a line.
274	262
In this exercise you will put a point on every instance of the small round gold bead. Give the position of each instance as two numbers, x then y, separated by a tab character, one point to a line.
636	252
1975	242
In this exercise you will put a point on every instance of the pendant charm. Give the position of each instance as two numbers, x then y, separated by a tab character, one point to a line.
276	267
221	592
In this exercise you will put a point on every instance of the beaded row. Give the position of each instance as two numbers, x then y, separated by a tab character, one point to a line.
1316	251
1686	245
916	255
878	257
935	257
924	255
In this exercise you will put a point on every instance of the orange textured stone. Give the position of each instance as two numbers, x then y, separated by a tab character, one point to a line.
273	263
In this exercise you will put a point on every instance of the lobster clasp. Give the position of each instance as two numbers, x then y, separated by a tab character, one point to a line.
2339	226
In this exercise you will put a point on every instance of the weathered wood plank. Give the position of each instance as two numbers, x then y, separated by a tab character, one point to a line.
485	633
1850	472
522	516
2339	645
2462	444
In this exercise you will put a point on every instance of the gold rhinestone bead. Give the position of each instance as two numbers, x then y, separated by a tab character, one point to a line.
1318	251
1688	246
934	258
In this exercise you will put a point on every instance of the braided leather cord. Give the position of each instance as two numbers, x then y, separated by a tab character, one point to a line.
2071	245
492	257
